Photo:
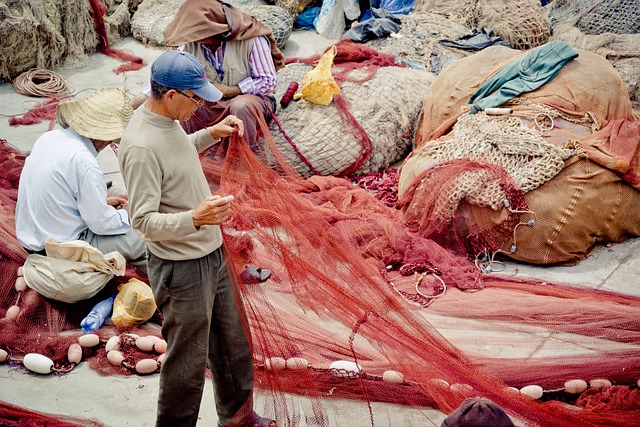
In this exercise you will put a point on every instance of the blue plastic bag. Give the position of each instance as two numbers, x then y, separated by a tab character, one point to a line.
305	20
397	7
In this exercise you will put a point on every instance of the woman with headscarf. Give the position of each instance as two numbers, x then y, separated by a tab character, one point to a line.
240	58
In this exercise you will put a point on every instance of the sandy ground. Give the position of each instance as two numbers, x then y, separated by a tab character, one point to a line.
131	401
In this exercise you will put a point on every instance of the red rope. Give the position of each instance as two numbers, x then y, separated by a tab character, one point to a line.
132	62
289	140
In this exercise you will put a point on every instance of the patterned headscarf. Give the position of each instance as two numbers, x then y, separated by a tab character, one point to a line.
200	19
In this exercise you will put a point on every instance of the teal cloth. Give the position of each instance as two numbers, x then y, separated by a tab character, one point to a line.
526	74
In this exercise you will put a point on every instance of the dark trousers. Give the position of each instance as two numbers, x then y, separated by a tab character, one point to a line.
203	327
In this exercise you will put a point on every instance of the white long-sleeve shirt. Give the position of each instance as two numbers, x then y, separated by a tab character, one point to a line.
62	192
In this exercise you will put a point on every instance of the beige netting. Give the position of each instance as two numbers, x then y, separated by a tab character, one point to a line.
460	11
53	33
118	18
621	50
294	7
416	45
386	106
523	23
507	141
30	36
279	21
153	16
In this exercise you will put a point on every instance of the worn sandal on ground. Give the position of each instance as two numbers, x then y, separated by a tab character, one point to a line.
252	274
257	421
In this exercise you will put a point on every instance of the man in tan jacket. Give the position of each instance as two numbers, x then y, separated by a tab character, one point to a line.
172	205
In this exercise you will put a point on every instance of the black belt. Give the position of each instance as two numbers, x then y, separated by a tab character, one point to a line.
40	252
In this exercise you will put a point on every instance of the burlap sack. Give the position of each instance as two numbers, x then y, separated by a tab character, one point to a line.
582	205
71	271
588	84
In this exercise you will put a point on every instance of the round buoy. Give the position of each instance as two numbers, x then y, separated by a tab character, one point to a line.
533	391
38	363
345	369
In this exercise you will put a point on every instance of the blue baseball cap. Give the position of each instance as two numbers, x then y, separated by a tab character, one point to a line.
181	70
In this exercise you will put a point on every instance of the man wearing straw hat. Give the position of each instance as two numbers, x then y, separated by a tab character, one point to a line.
62	192
172	205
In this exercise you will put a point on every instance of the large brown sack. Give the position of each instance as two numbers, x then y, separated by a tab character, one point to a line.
583	204
588	84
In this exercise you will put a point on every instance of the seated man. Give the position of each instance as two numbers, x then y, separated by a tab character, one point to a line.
240	58
62	192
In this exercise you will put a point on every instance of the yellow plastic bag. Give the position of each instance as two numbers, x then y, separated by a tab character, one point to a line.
318	85
134	303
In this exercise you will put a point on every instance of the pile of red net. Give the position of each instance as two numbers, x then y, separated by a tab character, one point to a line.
351	282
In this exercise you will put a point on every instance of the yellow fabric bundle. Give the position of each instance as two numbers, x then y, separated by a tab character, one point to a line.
318	85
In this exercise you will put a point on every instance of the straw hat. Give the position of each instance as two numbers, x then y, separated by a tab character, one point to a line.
103	115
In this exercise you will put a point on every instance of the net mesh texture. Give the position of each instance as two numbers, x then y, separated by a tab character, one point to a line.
351	281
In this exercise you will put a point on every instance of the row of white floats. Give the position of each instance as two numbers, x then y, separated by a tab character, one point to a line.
348	369
42	364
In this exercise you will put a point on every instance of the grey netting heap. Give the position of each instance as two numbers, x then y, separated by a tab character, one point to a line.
153	16
386	107
599	16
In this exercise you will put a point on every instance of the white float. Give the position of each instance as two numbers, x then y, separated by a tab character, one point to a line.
38	363
345	369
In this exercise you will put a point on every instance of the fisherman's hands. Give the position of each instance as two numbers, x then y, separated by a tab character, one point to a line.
227	127
212	211
117	202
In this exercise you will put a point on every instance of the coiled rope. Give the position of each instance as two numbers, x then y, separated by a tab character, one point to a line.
41	82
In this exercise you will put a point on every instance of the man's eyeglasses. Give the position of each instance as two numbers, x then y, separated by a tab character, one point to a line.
198	101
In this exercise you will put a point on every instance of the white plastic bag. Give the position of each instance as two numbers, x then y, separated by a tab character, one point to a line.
351	9
330	22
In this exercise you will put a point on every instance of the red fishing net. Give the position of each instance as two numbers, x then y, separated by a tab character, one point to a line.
131	62
14	416
441	205
351	281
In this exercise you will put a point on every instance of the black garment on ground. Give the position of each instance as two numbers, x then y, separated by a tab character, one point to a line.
381	25
478	40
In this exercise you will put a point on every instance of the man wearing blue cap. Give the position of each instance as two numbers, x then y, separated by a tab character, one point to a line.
171	204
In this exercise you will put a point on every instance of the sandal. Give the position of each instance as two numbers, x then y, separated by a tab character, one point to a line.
256	420
253	274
